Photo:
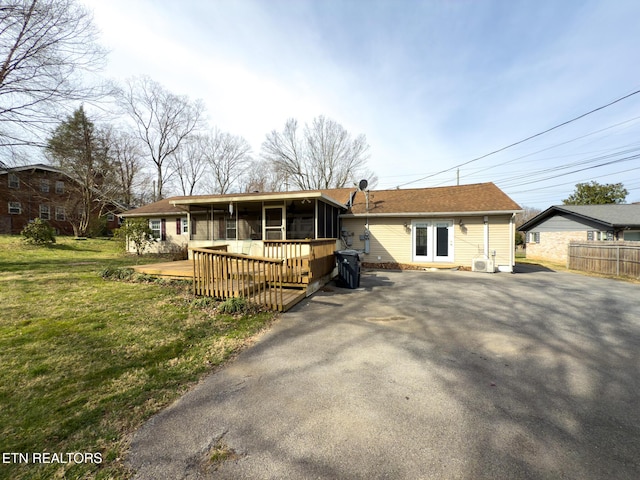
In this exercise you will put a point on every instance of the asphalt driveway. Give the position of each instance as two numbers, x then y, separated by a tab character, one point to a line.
443	375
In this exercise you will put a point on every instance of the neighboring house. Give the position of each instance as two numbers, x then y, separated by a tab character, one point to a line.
168	223
444	226
549	233
40	191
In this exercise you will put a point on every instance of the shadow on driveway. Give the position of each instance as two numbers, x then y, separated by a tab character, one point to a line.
422	375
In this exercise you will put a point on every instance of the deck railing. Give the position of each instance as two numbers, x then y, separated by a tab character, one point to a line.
304	260
261	280
225	275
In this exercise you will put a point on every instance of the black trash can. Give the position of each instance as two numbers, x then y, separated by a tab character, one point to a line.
348	268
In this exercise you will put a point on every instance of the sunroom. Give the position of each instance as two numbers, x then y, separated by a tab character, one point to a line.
243	222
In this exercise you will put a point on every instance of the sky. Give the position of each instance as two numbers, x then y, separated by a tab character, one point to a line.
433	85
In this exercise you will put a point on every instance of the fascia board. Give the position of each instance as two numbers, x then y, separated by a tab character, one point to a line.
432	214
256	198
153	214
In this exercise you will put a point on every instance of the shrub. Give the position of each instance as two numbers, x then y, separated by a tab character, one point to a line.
234	305
136	231
120	273
38	232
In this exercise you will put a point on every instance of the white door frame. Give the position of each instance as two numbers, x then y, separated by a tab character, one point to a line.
433	230
283	225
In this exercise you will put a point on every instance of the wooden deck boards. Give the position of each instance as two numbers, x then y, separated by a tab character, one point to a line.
184	270
178	269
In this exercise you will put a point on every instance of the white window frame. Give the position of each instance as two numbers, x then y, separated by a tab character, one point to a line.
231	225
185	225
60	214
15	208
14	181
45	186
45	212
156	228
533	237
59	186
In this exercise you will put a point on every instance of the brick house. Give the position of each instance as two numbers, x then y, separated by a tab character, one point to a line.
41	191
549	233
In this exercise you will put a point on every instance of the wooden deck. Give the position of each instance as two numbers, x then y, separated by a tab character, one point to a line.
290	295
290	271
182	269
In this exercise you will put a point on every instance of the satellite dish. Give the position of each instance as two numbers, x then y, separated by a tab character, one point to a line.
363	184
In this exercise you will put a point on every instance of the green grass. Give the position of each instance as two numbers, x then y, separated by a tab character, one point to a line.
84	361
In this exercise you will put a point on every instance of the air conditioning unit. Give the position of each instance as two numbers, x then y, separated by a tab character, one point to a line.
482	264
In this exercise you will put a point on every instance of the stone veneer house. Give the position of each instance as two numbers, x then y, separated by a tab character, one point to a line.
426	227
549	233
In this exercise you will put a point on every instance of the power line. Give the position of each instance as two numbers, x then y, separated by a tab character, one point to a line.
573	182
523	140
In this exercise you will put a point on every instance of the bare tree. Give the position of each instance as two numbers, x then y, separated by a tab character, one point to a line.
163	121
189	163
126	156
44	46
527	214
324	156
261	177
228	158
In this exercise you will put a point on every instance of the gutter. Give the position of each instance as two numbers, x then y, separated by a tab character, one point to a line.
432	214
149	214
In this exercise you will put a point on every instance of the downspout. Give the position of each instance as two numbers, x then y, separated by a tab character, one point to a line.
512	240
486	236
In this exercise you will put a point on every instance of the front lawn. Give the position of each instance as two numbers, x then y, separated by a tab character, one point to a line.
84	361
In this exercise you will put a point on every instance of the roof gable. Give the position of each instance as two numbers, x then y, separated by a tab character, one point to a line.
609	216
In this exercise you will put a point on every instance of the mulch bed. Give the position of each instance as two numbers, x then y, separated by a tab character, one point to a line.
403	266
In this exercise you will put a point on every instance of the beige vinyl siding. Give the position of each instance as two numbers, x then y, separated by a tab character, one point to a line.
501	240
173	243
469	238
389	239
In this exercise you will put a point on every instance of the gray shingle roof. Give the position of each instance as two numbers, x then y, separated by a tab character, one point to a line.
612	215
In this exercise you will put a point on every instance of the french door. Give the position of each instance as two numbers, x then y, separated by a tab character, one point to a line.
432	241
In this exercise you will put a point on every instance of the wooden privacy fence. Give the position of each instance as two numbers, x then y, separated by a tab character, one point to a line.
610	258
225	275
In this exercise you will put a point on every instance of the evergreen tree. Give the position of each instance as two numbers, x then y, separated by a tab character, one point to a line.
82	152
